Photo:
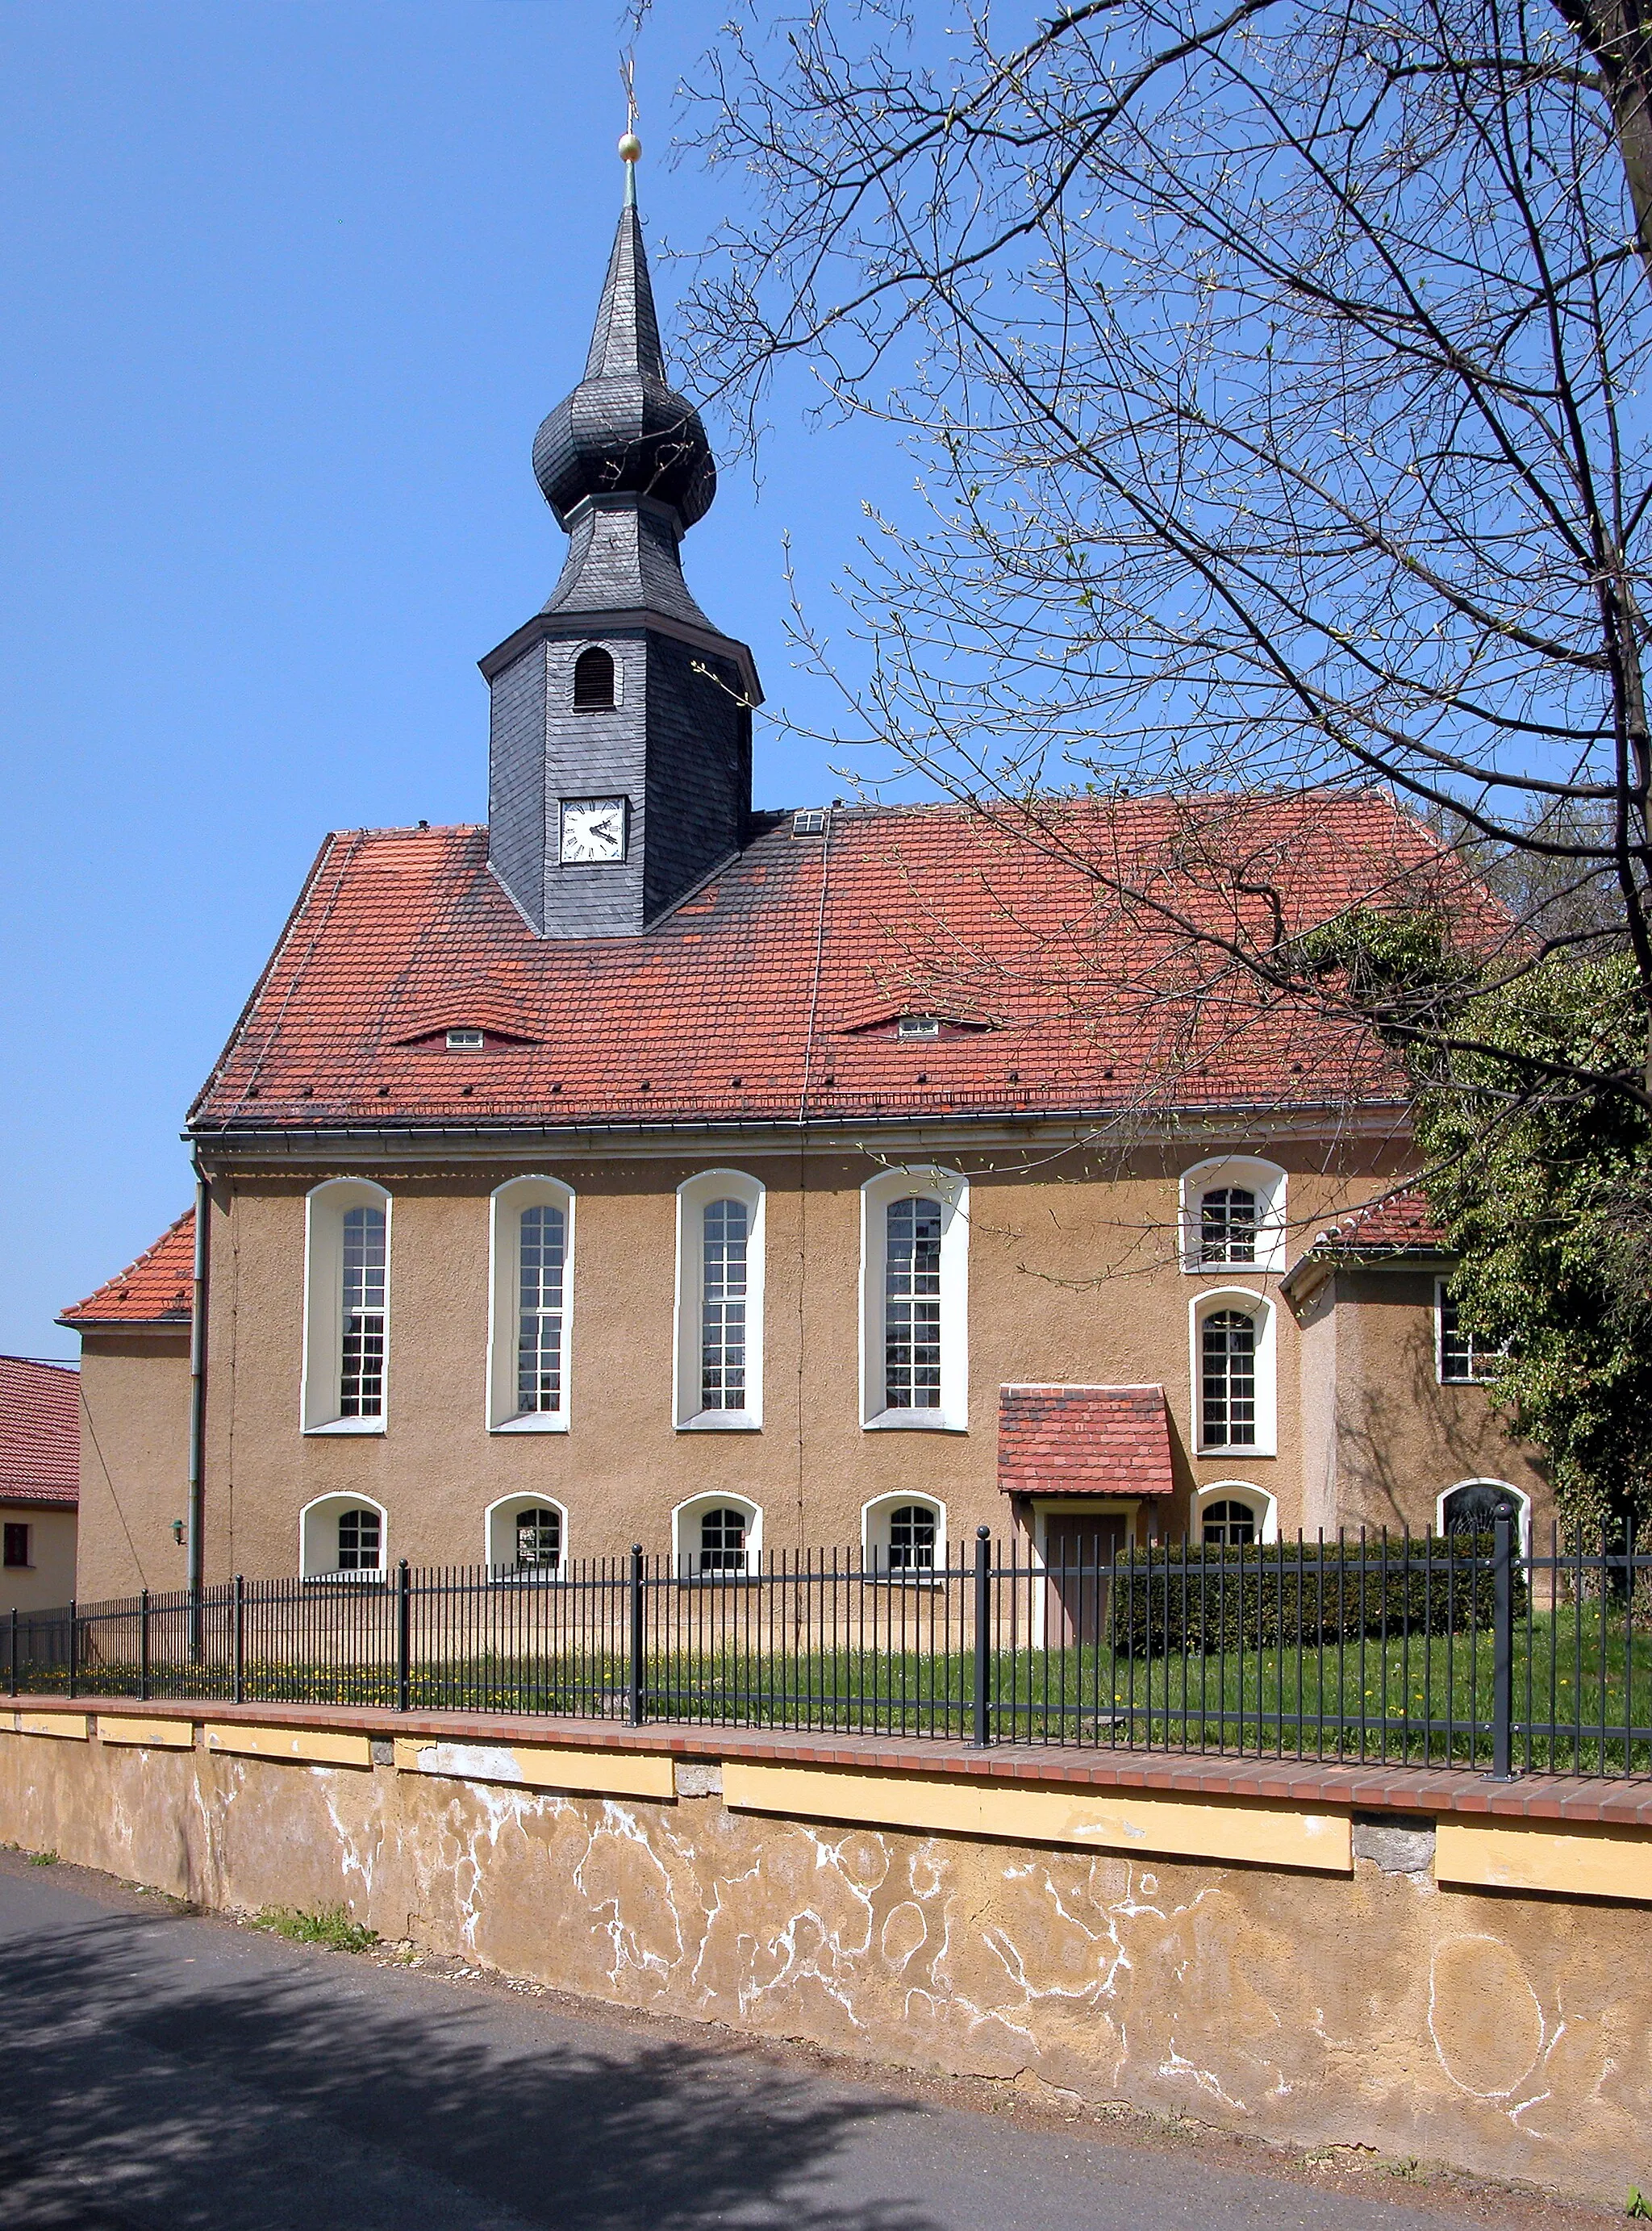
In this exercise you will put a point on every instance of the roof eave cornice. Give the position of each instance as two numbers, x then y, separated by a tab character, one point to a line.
826	1132
563	625
157	1325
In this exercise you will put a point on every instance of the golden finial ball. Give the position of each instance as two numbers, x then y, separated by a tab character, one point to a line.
630	147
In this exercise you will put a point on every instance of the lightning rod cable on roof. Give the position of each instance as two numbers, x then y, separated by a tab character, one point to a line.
814	987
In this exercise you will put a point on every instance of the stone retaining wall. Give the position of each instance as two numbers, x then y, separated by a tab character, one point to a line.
1453	1983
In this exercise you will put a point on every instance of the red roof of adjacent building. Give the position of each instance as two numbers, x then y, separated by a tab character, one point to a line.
158	1289
1084	1440
40	1433
1052	944
1399	1224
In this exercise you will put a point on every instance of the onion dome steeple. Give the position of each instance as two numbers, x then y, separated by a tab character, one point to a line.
619	759
623	462
624	431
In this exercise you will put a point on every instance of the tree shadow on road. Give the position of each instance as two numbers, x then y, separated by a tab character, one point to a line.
258	2096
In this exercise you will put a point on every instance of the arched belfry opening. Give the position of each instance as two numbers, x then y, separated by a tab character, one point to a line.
593	680
625	467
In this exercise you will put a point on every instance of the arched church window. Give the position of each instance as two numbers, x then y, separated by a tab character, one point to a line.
1229	1524
1228	1345
593	680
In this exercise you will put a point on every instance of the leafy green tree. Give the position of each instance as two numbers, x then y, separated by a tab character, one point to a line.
1545	1192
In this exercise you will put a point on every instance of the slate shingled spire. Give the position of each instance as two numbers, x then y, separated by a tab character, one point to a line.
665	754
624	431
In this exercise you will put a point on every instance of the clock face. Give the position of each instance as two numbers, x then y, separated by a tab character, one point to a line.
593	829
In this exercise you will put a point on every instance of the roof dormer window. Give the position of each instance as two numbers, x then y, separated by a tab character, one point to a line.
809	821
465	1040
918	1026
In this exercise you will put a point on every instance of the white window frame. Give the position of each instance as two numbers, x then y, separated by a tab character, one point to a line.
324	1510
1265	1505
874	1536
1521	1500
1266	1316
694	1196
505	1206
951	1189
685	1532
1479	1377
499	1525
1266	1180
319	1394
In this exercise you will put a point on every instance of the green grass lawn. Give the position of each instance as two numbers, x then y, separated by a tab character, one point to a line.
1579	1683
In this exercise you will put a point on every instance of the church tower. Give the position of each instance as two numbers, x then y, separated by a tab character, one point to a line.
620	751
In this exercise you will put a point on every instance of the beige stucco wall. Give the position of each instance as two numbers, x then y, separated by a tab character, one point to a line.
48	1579
1503	2032
135	1461
1073	1277
1397	1438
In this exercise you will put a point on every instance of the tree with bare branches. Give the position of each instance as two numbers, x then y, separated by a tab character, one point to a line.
1276	370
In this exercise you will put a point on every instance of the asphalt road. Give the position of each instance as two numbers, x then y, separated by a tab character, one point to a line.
164	2070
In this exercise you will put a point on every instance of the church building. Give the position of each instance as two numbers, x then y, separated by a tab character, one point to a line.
643	1166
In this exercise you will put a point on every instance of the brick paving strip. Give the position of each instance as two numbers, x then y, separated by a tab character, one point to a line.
1410	1789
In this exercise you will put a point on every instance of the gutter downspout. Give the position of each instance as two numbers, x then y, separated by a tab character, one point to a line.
196	1531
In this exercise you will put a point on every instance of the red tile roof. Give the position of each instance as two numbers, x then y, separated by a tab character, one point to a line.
156	1289
1399	1224
1084	1440
40	1433
773	991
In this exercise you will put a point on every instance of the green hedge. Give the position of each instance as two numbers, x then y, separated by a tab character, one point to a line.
1291	1595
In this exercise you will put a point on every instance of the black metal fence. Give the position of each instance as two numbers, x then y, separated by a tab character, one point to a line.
1455	1650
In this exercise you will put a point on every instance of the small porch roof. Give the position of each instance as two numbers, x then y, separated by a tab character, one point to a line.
1084	1440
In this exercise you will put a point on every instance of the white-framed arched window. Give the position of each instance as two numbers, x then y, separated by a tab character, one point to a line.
530	1309
715	1535
1229	1514
346	1308
914	1299
718	1375
1470	1506
1233	1215
904	1537
342	1537
1233	1372
527	1535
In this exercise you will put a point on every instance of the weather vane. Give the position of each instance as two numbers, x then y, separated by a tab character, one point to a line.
630	145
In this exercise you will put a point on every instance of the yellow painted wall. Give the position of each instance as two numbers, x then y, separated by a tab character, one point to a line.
134	1463
1498	2031
48	1580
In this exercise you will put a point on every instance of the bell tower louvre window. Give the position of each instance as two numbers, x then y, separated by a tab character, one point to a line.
625	467
593	680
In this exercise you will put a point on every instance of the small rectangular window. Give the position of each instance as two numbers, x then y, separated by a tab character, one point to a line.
16	1546
1462	1363
918	1026
465	1040
809	821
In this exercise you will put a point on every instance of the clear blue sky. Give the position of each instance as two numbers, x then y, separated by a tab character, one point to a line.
287	289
